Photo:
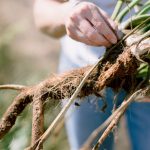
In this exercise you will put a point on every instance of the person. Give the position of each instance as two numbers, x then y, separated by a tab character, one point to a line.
85	29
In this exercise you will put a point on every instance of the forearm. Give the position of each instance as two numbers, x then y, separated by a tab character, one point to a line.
50	16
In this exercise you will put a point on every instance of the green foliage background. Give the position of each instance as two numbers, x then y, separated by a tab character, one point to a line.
16	69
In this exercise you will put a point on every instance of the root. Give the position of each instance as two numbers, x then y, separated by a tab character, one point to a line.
115	67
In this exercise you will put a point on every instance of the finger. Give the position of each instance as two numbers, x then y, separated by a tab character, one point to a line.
74	33
92	34
88	31
101	26
111	23
109	20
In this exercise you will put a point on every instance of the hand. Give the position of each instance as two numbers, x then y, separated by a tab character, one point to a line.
91	25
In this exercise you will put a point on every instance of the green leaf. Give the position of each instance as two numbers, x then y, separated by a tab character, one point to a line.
143	70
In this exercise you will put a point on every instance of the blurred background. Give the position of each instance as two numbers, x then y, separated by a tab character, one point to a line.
28	57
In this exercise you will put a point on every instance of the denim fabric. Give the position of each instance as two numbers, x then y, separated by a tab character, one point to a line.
138	121
82	120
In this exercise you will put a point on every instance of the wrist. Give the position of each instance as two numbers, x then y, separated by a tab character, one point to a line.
66	9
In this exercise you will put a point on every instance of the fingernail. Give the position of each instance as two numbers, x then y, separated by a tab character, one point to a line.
114	40
119	34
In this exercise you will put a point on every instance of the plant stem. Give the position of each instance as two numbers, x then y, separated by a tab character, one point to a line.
116	118
117	9
126	10
12	87
144	10
145	29
135	21
147	3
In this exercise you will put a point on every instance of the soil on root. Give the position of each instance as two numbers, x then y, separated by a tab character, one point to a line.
108	73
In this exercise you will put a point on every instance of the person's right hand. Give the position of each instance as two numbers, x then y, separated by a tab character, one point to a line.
89	24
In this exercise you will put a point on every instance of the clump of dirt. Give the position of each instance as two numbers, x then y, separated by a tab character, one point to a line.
111	72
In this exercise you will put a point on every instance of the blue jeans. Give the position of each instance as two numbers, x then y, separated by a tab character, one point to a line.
81	121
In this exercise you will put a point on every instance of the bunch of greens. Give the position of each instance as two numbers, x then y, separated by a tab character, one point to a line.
141	16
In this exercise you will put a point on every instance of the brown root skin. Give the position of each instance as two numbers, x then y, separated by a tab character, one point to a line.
37	119
18	105
63	86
